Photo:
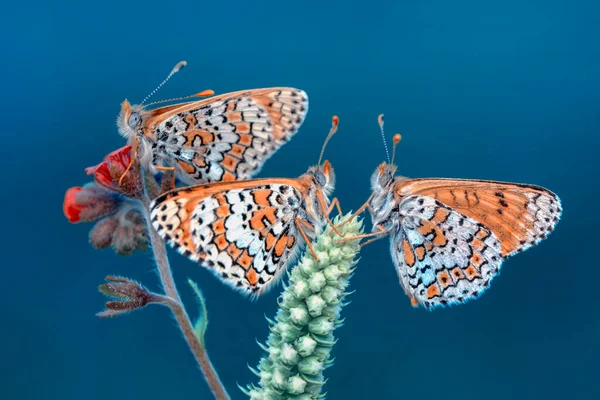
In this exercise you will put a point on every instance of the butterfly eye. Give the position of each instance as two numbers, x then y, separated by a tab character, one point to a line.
320	178
385	179
134	120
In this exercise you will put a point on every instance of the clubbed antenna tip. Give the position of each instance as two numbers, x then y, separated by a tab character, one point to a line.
380	122
335	121
175	69
395	140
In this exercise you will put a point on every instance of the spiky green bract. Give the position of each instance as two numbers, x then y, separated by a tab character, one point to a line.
301	339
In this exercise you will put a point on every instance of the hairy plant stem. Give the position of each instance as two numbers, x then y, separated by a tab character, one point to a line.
176	306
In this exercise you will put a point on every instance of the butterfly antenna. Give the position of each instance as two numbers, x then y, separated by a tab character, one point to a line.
175	69
334	126
395	140
380	121
204	93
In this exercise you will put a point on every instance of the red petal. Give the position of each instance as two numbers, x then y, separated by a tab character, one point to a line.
92	170
102	176
120	157
70	207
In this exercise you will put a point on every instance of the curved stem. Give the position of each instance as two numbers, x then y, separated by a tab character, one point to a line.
183	320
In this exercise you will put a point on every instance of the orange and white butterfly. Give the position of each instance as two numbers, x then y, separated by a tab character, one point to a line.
449	237
223	138
246	232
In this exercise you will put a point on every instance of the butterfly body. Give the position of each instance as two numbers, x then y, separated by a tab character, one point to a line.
223	138
383	204
449	237
246	232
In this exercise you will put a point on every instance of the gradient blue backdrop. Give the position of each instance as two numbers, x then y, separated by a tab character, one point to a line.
497	90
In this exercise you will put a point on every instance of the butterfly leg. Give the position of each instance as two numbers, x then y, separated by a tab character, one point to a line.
172	170
370	241
133	154
335	203
324	207
370	209
299	223
381	232
360	210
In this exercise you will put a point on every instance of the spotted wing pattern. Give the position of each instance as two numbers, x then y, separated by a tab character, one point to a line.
455	234
519	215
442	256
245	235
229	137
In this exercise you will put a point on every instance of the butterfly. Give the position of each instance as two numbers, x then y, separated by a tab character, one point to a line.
449	237
223	138
246	232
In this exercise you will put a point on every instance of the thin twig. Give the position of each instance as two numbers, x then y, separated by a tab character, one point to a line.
183	320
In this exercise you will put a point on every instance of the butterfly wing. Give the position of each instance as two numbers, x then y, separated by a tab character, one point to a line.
442	256
242	231
520	215
452	238
228	137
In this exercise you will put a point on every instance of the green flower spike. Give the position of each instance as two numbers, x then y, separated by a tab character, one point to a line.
301	339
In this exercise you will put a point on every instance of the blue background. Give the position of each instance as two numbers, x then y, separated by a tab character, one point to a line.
496	90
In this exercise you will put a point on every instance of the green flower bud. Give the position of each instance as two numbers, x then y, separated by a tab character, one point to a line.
323	257
306	345
327	243
265	378
289	333
331	294
279	379
315	305
321	353
296	385
301	289
289	299
274	353
331	313
308	266
310	366
317	282
332	273
320	326
335	255
289	355
299	315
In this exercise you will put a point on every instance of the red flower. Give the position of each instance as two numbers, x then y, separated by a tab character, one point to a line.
89	203
111	200
115	173
70	206
120	223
